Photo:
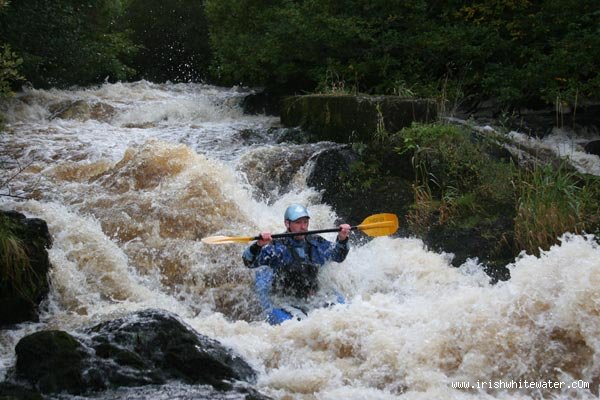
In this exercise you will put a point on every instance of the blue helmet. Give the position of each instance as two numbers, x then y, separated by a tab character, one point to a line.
295	211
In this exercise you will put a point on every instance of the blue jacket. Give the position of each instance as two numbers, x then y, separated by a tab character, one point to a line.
282	257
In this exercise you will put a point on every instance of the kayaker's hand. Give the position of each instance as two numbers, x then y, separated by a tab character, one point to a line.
265	238
344	232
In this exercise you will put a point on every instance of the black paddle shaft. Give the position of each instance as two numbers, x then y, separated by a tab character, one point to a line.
291	234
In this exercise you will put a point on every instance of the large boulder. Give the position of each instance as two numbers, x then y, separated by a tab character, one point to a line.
381	179
262	103
24	277
333	173
148	347
160	341
52	361
271	170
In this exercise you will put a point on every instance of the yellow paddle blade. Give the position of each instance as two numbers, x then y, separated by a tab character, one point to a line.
227	239
379	224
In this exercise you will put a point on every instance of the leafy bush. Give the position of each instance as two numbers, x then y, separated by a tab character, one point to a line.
466	181
9	69
9	73
300	45
67	42
522	53
9	64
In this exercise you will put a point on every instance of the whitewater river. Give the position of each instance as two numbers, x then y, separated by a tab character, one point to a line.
129	183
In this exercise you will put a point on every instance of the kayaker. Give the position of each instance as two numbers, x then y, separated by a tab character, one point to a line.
288	267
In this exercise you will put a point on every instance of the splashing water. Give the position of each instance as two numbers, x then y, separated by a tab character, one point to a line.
130	176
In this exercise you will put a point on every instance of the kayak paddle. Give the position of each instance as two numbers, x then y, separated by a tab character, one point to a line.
374	225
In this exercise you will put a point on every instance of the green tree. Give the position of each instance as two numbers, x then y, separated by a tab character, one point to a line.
9	63
521	52
9	67
66	42
535	51
173	37
301	45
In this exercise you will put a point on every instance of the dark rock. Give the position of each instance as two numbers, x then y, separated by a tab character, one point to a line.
19	301
593	147
262	103
270	170
52	361
148	347
11	391
332	174
347	118
329	165
292	135
487	243
537	121
157	339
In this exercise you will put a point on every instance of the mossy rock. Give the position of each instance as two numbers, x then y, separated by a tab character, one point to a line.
52	361
24	282
147	347
349	118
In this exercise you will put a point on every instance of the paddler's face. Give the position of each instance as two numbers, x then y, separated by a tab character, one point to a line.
299	225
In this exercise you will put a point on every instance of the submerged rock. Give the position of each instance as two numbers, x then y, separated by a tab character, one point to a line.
82	110
271	170
146	348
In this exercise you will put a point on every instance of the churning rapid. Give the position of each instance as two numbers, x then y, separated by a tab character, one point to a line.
129	177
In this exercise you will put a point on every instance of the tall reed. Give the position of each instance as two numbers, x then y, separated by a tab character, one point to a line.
552	201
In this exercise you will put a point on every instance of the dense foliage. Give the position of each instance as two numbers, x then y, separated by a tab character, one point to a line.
67	42
173	37
9	63
519	52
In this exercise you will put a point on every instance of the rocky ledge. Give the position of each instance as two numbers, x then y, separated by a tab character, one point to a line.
150	347
349	118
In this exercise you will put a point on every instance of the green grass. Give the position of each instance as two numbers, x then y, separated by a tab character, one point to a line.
467	182
552	201
16	273
458	184
455	179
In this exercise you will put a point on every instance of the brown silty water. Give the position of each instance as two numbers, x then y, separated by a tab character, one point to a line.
129	190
